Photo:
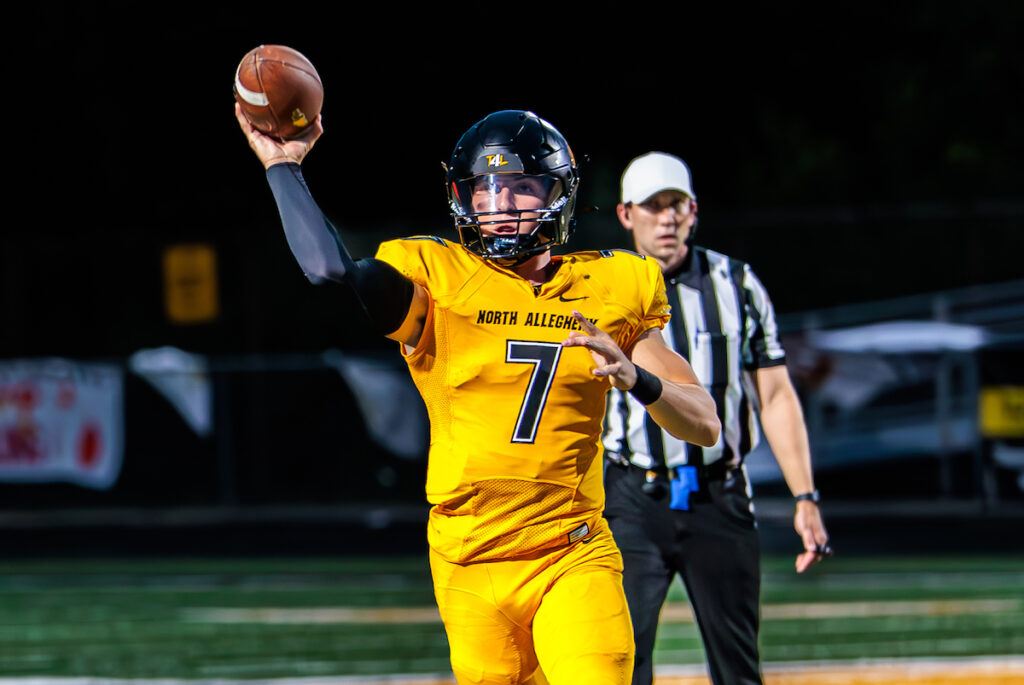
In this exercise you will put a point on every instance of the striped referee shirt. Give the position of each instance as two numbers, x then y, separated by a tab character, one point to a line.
723	323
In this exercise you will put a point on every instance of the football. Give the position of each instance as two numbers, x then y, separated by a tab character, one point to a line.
279	90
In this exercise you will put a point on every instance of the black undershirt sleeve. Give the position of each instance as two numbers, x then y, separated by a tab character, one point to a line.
384	293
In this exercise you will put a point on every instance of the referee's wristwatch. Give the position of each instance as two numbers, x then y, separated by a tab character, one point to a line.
812	496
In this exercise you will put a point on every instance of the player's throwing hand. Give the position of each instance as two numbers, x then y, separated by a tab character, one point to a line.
273	151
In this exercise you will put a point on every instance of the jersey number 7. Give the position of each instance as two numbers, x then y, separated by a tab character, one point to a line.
544	357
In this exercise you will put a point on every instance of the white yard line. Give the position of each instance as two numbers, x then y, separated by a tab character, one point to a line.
314	615
673	612
924	607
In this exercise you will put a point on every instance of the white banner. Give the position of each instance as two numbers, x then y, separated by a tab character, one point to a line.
182	379
61	421
391	406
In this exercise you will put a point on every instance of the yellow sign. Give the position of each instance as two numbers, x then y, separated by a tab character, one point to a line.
1001	411
190	283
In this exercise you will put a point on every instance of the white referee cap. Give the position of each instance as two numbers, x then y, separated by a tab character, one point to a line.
652	173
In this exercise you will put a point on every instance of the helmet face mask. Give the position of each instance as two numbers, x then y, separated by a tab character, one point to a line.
504	216
512	185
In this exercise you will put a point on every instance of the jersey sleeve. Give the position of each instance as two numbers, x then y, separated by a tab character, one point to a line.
654	311
762	347
404	256
657	311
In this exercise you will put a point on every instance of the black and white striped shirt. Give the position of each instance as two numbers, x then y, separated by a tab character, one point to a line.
723	323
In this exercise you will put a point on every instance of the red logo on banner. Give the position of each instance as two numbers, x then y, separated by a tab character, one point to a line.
24	396
90	444
19	444
60	421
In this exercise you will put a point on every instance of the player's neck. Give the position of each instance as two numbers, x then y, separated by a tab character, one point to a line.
537	270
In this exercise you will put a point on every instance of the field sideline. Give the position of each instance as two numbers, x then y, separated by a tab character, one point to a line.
977	671
360	621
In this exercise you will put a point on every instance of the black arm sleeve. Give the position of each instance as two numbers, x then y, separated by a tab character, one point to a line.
312	238
384	293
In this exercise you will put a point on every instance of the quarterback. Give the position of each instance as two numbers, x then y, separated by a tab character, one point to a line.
513	350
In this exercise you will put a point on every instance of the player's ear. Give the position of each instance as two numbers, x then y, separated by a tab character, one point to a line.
623	212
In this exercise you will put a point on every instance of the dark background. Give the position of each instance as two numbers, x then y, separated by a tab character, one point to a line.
855	153
852	153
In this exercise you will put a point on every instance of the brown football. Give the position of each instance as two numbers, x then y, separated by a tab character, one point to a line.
279	90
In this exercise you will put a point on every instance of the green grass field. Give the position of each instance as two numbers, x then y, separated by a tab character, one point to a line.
269	618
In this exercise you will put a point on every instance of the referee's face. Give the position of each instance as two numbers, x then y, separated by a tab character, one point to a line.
660	225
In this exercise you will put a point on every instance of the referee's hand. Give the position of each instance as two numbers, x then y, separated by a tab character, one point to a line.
811	529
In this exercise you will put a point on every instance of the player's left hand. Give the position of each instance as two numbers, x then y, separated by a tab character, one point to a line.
811	529
610	359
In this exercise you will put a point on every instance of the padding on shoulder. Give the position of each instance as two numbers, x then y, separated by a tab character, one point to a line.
384	293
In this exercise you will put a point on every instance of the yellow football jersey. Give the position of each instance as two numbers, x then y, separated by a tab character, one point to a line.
515	419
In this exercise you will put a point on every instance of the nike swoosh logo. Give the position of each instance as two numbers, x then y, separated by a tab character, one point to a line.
571	299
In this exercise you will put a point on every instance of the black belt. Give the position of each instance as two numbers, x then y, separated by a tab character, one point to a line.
706	473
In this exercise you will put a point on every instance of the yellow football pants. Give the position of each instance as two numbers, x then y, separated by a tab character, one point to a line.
563	612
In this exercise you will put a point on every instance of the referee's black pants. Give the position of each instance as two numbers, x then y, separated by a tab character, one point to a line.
715	549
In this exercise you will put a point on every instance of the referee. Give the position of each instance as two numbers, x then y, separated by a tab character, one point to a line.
675	508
